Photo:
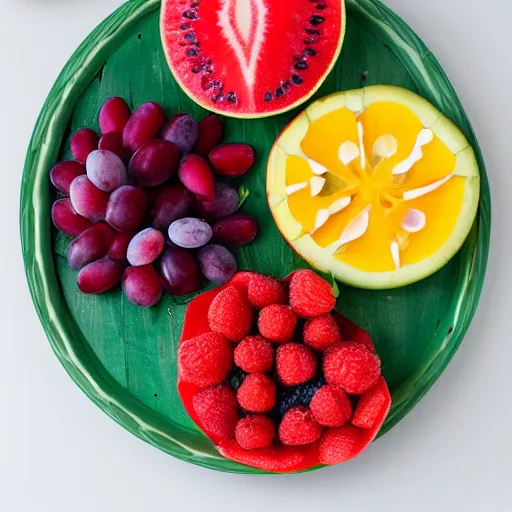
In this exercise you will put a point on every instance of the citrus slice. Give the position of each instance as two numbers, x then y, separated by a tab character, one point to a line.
375	186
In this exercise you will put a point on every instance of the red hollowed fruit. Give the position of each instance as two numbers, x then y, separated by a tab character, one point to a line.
310	295
255	431
331	406
340	444
205	360
216	410
295	364
254	354
298	427
277	323
257	393
231	314
351	366
264	291
321	332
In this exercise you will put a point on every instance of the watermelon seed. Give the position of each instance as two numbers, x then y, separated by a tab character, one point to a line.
316	20
312	31
286	85
300	65
310	51
296	79
191	52
196	69
231	97
190	15
189	36
268	96
321	7
279	92
194	4
185	26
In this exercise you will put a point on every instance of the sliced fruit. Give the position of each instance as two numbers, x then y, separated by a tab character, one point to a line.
375	186
223	52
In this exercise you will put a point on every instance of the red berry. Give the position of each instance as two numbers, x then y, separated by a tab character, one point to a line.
255	431
331	406
217	411
277	323
83	142
205	360
295	364
64	173
100	276
236	230
197	177
233	159
231	314
67	220
265	291
371	405
114	115
298	427
351	366
119	246
254	354
113	141
310	295
321	332
340	444
210	133
257	393
143	125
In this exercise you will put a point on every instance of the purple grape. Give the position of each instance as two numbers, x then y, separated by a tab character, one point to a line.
113	141
67	220
126	208
169	204
106	170
179	271
89	246
145	247
82	143
217	263
190	233
119	247
224	204
64	173
154	163
143	125
181	130
87	199
238	229
114	115
141	285
100	276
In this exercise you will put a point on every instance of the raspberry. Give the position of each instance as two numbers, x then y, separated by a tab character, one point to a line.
351	366
298	427
255	431
310	295
257	393
231	314
295	364
217	411
277	323
371	405
340	444
254	354
205	360
265	291
321	332
331	406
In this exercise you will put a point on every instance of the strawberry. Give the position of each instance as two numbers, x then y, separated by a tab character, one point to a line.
310	295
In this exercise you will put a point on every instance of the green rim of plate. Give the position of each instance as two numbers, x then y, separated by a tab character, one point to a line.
66	338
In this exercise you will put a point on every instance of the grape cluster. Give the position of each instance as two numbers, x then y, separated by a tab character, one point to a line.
145	203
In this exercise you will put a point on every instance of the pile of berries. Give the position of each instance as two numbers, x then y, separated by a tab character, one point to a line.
145	203
275	371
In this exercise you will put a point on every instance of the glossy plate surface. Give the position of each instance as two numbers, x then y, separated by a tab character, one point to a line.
123	357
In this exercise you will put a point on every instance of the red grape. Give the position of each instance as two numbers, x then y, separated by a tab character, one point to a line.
196	175
217	263
190	233
154	163
113	141
126	208
88	200
143	125
67	220
100	276
119	246
182	131
82	143
142	286
106	170
232	159
169	204
225	203
145	247
64	173
210	133
114	115
179	271
89	246
237	229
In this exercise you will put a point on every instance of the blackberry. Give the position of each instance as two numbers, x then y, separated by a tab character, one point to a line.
235	377
297	395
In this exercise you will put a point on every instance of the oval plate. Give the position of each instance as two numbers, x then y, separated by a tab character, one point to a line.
124	357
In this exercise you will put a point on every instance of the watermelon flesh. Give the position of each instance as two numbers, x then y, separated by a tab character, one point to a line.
251	58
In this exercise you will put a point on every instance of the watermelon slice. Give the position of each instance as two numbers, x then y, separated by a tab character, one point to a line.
251	58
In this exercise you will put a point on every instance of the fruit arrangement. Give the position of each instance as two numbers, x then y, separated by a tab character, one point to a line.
146	203
275	377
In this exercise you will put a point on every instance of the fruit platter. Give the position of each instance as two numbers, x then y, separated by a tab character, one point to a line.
255	240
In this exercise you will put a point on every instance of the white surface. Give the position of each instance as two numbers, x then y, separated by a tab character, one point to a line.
58	452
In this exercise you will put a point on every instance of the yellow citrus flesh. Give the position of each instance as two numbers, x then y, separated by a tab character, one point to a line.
380	196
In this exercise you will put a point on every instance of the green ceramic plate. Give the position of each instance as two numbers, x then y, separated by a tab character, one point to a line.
123	357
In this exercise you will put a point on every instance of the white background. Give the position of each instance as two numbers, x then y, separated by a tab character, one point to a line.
58	452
